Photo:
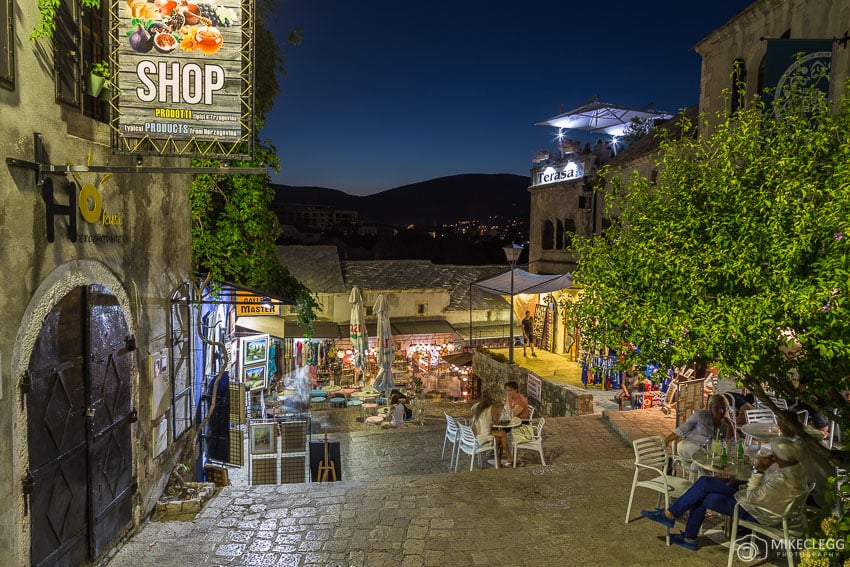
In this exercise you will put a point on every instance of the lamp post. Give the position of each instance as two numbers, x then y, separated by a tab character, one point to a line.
512	253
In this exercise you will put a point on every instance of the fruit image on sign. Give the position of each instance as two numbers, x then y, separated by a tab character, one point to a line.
167	25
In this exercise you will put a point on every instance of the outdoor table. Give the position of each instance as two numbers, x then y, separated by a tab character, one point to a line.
315	393
762	430
346	391
354	402
370	408
331	389
733	469
514	422
374	420
318	400
338	401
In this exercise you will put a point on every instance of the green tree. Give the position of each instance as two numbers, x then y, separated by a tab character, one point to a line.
233	229
737	254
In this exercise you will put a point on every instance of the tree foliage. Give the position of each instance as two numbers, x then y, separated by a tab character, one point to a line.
233	229
737	254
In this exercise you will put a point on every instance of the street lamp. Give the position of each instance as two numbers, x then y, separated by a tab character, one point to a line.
512	253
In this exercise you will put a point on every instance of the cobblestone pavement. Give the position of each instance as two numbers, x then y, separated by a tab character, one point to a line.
399	505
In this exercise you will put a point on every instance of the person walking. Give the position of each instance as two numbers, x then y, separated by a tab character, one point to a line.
528	334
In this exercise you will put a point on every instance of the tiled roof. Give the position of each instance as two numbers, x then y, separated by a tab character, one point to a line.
317	267
422	274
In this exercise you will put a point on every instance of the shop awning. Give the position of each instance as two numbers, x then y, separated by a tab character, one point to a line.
487	330
525	282
422	327
283	329
459	359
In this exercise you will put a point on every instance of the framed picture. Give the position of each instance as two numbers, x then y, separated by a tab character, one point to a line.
254	377
254	349
263	438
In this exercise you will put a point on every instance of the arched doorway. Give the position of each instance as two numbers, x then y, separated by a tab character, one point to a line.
79	413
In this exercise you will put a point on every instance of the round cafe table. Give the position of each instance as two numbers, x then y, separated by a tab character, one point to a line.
507	426
735	469
762	430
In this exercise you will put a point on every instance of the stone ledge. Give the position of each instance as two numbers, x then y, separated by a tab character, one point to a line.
171	509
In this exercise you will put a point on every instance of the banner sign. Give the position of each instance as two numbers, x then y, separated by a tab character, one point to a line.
181	71
807	59
250	305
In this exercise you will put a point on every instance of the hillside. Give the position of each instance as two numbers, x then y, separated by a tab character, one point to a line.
434	202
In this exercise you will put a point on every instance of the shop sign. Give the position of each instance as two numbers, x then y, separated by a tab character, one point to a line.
250	305
550	174
180	70
86	203
533	387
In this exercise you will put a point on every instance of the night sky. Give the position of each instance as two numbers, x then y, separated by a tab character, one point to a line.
382	94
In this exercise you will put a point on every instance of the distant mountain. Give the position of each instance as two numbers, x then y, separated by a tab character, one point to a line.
434	202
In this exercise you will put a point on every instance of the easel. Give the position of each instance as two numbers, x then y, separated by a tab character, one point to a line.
326	466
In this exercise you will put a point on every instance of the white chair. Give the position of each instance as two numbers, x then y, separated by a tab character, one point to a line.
757	416
651	460
469	444
530	414
791	530
533	444
451	435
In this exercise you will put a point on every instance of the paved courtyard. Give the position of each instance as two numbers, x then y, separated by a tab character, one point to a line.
399	505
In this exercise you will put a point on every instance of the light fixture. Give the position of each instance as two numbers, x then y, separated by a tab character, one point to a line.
512	253
139	161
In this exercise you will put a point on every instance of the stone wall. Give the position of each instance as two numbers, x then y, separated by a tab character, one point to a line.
556	400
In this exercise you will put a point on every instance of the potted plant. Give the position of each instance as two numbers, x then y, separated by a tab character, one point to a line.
98	74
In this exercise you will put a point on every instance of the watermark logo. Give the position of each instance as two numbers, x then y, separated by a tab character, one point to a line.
751	548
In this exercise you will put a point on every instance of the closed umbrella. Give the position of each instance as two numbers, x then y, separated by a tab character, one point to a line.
384	381
357	331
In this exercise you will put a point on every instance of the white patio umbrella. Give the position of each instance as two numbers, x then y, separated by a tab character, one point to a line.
384	381
357	331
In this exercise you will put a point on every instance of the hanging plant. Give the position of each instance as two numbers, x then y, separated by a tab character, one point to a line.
47	10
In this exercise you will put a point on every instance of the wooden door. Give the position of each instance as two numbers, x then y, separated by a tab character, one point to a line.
79	413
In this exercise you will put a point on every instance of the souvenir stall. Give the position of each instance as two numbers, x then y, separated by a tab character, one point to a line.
545	298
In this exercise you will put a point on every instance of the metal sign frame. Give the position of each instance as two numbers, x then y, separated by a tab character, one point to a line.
242	149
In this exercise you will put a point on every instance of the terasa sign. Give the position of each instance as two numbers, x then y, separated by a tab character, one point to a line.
571	170
88	204
180	67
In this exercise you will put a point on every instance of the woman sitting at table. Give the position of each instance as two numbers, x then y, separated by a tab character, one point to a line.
396	412
701	427
487	411
779	479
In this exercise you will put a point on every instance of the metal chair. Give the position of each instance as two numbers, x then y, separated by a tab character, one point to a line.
535	443
651	458
469	444
762	415
793	525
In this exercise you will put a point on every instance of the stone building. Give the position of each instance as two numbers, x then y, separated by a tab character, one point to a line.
92	263
744	40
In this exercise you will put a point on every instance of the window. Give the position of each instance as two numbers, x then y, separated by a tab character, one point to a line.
548	235
739	85
7	52
559	235
370	310
569	233
78	41
421	308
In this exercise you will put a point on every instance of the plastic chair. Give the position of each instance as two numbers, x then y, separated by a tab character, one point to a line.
451	435
792	528
758	416
651	457
533	444
469	444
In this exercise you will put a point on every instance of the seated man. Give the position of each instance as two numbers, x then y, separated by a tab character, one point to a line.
778	480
